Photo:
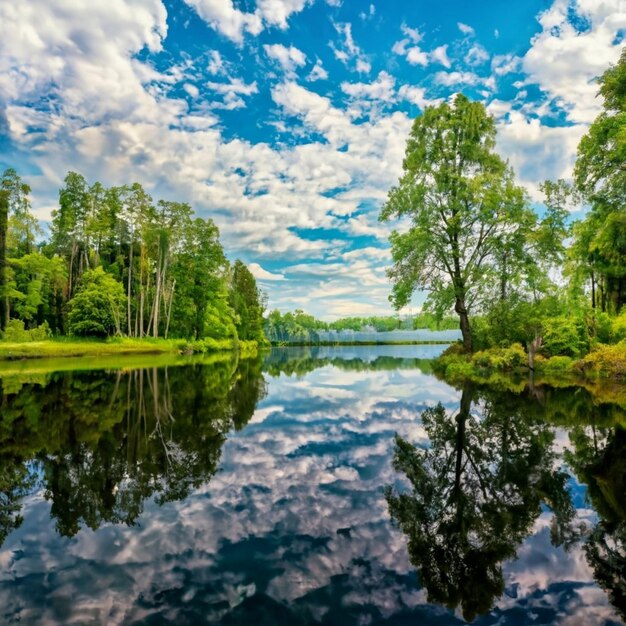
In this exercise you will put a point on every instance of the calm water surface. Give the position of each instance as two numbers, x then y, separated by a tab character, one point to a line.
317	486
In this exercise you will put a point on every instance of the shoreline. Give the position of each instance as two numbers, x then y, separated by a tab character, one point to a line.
79	348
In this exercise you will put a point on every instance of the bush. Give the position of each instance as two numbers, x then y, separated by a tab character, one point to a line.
603	327
605	361
555	365
99	307
618	328
565	336
15	332
509	358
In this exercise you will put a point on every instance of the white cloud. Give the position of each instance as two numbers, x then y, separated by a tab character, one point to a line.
223	16
409	48
451	79
477	55
318	72
262	274
537	152
502	64
440	55
288	58
277	12
383	88
216	63
465	29
233	90
416	95
228	20
192	90
565	61
347	51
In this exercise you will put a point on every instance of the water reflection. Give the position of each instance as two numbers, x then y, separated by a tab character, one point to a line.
218	492
101	443
475	495
599	460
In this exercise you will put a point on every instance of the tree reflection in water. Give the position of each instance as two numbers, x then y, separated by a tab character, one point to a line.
101	443
474	497
599	460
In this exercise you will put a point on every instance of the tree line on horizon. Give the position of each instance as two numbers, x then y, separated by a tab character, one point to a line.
118	263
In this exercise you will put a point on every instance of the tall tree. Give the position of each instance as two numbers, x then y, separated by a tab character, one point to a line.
247	302
4	222
600	175
199	273
462	206
69	227
23	227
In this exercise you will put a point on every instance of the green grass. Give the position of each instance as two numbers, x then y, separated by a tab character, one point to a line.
73	347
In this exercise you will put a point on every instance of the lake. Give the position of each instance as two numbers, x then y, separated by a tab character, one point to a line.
328	485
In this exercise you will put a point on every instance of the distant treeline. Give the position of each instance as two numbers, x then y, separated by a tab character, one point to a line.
118	263
300	326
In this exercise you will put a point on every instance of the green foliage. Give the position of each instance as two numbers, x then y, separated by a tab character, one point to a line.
555	365
474	495
603	327
16	332
468	219
618	328
248	304
565	336
98	308
605	361
503	359
599	250
121	438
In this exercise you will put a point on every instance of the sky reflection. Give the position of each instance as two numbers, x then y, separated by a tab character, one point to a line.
293	528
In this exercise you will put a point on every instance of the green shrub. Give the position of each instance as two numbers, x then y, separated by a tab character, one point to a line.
99	307
618	328
15	332
564	336
509	358
605	361
603	327
555	365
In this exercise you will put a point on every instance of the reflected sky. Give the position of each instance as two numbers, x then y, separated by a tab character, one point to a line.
293	527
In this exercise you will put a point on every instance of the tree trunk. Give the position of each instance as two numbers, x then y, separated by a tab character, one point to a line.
593	291
464	324
169	309
533	346
130	273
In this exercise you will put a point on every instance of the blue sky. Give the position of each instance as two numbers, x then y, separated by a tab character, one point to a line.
286	120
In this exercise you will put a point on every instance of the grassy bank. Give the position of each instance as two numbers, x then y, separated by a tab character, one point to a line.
602	362
72	347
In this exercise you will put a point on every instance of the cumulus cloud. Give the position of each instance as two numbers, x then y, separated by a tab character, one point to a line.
318	72
262	274
223	16
289	58
565	59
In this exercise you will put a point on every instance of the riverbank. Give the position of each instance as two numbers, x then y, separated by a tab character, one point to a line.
72	347
603	361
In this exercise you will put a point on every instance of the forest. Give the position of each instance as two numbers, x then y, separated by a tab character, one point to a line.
115	262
